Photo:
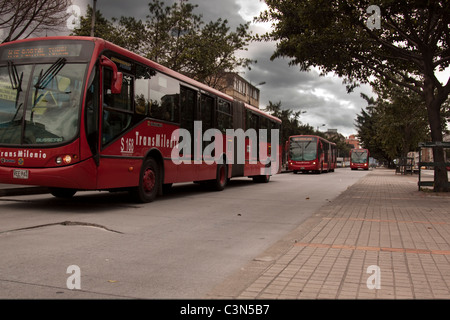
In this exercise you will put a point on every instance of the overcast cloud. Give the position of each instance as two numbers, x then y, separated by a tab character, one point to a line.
324	99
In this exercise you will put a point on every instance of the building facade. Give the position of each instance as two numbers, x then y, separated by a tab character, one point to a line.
353	141
240	89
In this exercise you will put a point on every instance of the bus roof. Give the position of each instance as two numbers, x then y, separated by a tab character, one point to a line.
102	44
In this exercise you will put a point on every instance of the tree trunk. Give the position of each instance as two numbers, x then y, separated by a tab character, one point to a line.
433	103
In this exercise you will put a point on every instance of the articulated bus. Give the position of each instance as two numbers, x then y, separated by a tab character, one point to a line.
80	113
311	153
359	159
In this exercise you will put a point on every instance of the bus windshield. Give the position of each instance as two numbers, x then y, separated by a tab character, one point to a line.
303	149
359	156
40	103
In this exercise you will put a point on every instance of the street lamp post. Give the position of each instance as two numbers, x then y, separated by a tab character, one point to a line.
93	17
323	125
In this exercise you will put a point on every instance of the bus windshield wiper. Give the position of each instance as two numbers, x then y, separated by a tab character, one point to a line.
16	84
16	81
44	79
49	74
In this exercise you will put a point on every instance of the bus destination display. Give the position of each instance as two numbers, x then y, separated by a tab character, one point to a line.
41	51
303	139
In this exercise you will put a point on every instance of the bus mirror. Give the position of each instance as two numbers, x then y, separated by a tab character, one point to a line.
116	85
116	81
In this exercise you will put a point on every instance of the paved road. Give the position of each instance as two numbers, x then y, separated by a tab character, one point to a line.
180	246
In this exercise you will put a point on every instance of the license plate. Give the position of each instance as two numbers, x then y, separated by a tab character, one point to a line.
20	174
302	168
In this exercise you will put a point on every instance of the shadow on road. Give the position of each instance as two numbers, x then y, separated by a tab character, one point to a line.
98	201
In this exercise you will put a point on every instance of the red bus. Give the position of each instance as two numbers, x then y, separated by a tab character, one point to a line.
311	153
80	113
359	159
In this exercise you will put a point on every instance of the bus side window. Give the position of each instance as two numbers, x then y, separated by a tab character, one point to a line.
206	115
251	121
142	100
188	102
265	125
164	98
224	116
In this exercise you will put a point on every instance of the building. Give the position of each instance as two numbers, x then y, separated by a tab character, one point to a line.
240	89
332	133
352	140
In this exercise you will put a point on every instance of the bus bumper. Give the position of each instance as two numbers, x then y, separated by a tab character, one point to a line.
81	175
357	166
301	167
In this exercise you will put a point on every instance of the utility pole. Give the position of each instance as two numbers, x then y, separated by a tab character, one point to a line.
94	11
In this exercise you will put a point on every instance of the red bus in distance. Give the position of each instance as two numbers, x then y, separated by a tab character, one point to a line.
359	159
311	153
80	113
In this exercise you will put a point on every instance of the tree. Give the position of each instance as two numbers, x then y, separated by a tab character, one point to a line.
405	43
19	19
178	38
393	124
170	31
366	124
402	120
212	64
103	28
343	148
290	120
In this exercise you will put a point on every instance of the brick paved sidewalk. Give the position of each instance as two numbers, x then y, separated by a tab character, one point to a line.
381	221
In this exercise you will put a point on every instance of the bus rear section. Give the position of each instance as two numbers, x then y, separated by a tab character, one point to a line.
359	159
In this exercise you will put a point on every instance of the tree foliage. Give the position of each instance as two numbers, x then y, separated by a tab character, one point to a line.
178	38
410	46
103	27
290	120
19	19
393	124
366	125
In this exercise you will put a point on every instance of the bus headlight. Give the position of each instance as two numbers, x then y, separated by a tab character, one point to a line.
66	159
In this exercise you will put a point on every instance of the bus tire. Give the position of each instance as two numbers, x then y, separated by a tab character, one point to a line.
149	181
221	180
63	193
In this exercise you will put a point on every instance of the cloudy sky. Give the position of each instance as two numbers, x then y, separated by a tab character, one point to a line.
324	99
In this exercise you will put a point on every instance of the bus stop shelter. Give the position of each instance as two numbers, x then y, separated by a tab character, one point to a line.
431	164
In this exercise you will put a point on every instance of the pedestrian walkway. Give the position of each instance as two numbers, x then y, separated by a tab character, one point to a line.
380	239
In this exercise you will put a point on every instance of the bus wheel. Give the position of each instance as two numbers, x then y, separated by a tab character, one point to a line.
63	192
148	182
221	177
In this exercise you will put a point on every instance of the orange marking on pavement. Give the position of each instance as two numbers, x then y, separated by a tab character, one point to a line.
364	248
388	220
